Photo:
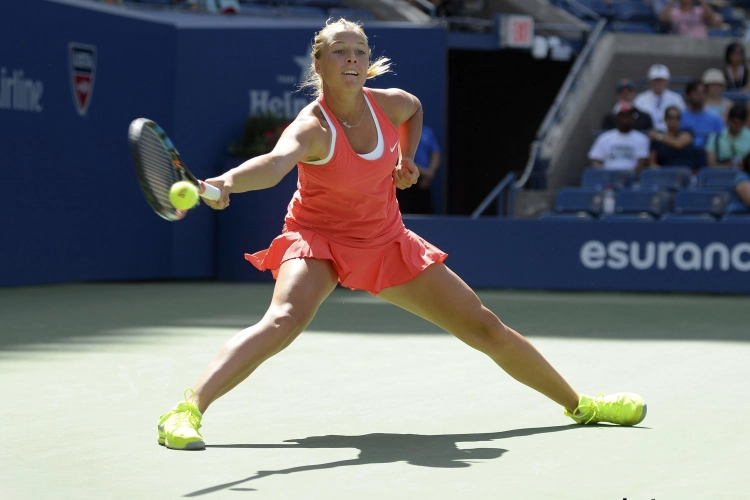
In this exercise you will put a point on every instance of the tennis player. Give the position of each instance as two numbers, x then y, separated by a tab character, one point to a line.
343	225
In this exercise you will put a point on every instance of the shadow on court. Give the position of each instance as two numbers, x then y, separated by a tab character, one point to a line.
439	451
68	317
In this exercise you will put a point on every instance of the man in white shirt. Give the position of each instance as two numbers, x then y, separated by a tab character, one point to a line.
656	101
621	148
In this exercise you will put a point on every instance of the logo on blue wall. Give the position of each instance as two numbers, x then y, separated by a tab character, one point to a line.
685	256
19	93
82	66
288	103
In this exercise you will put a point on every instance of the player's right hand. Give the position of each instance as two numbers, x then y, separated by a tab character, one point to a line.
225	183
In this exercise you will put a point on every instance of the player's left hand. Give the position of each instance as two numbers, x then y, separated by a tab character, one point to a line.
405	174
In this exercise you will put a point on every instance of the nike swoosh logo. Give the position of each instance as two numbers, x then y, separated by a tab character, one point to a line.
394	146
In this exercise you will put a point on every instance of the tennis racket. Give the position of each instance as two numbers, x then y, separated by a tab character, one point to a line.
158	165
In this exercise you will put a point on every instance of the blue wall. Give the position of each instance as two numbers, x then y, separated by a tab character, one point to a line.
660	256
75	211
72	209
534	254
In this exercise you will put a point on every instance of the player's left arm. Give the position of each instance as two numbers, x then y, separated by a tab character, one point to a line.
405	112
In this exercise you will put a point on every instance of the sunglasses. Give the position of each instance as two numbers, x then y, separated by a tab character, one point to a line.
672	117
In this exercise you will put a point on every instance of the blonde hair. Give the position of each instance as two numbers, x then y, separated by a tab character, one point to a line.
312	80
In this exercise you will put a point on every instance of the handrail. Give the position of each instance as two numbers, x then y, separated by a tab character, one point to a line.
428	6
585	9
562	27
474	21
552	114
502	185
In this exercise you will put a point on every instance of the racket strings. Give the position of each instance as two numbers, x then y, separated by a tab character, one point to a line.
158	170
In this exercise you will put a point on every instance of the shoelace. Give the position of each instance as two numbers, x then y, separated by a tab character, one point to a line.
594	409
188	414
608	410
590	409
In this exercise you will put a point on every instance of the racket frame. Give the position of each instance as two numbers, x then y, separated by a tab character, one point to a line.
181	171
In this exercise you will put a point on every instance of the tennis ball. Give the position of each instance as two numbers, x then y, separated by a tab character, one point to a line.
183	195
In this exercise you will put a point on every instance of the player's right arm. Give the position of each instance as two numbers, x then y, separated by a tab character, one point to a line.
303	140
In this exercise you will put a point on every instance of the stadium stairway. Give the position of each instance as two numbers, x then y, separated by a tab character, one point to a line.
390	10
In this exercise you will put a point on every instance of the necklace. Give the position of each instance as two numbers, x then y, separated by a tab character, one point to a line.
347	125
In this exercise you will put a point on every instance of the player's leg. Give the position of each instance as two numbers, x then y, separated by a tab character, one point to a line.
441	297
301	286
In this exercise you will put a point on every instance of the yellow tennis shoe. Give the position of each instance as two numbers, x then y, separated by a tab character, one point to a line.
624	408
178	429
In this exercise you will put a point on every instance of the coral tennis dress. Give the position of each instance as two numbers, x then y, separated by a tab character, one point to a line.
345	211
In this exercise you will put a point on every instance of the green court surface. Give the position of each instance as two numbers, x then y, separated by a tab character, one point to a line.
370	402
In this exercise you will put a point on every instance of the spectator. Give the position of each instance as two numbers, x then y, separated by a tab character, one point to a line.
739	202
626	93
658	5
688	19
716	84
449	8
418	199
731	147
215	6
671	148
656	100
736	69
696	118
622	148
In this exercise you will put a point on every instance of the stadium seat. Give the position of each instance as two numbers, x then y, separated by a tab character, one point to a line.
701	201
583	216
737	217
655	203
575	10
306	12
599	7
579	200
164	3
720	33
735	209
622	27
599	178
351	14
634	12
716	178
596	133
669	178
641	217
738	27
689	218
320	4
738	97
259	10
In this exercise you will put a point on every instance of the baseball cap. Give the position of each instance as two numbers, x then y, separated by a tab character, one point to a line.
714	75
658	71
624	84
624	107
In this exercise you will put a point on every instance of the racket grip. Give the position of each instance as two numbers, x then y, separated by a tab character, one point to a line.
208	191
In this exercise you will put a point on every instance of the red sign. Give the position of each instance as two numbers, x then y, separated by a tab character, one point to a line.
520	32
517	32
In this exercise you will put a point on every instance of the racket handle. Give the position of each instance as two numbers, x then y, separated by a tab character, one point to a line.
208	191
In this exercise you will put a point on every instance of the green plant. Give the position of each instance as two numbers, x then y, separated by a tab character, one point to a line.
259	136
